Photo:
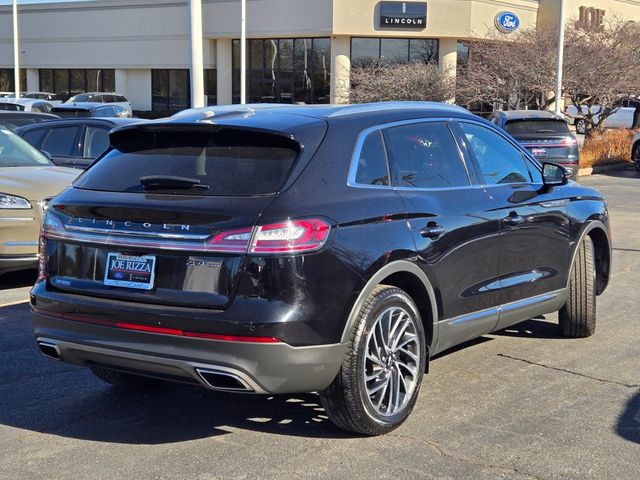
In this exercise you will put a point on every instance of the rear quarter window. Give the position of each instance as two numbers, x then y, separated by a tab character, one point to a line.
229	162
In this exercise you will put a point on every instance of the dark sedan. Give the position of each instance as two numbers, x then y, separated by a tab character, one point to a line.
73	142
544	134
91	109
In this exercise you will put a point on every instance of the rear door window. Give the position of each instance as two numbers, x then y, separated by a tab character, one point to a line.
425	155
542	126
227	162
61	142
34	136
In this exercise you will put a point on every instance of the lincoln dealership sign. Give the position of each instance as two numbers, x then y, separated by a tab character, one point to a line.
409	15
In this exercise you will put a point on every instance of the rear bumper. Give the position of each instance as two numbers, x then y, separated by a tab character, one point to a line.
263	368
14	263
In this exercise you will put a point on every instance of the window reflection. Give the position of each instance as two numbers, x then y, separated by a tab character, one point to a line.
365	51
287	70
67	82
170	90
7	80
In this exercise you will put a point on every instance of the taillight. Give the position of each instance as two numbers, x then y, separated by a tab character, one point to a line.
50	225
291	236
42	256
284	237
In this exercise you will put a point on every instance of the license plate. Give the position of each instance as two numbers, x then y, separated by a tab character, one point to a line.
539	151
130	271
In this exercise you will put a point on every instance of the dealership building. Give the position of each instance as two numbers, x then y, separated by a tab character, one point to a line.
297	50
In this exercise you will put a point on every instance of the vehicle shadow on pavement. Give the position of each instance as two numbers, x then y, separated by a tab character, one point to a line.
628	426
25	278
538	327
41	395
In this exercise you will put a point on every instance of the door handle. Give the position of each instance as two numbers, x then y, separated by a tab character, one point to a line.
432	230
513	220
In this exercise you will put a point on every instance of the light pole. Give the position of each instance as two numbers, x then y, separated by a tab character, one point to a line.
560	59
197	68
16	51
243	51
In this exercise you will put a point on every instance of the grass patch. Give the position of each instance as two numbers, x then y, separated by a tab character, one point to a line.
607	147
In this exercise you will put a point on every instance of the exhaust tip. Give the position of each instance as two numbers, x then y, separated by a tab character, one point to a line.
226	381
50	350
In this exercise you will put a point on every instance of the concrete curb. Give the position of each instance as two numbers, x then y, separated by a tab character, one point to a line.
583	172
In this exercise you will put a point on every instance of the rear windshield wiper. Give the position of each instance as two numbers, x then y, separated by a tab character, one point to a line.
171	182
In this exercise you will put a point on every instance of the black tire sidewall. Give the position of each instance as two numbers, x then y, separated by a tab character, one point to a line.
635	155
395	298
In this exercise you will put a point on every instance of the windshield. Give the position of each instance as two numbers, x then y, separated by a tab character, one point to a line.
81	97
15	152
533	126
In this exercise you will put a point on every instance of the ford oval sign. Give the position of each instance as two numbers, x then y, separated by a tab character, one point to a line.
507	22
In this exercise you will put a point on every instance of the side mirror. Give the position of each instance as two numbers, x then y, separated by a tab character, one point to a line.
554	174
47	154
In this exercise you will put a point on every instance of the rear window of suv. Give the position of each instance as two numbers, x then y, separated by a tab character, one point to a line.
531	126
228	162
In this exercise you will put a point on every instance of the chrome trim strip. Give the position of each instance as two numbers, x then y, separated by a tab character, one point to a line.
106	232
17	219
474	316
507	307
19	244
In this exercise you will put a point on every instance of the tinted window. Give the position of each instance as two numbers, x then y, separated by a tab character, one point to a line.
519	127
34	136
96	141
15	152
11	106
13	123
498	160
120	98
230	162
60	141
425	155
372	163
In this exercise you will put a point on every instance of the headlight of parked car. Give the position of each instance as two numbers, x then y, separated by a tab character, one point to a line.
11	202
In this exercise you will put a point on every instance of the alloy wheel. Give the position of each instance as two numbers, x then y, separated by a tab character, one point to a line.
392	361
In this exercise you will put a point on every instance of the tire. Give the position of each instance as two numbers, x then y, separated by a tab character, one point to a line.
581	126
635	155
125	380
577	318
359	404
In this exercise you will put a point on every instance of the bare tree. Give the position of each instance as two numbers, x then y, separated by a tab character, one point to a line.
601	68
514	71
380	81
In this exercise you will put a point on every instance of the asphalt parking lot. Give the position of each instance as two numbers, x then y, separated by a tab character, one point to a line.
522	404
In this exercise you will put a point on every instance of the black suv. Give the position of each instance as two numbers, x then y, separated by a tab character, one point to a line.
279	249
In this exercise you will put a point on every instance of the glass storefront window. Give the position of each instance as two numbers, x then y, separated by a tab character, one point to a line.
170	90
285	70
365	51
7	80
211	86
72	81
394	50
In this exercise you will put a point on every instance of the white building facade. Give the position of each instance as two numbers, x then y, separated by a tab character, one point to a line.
298	50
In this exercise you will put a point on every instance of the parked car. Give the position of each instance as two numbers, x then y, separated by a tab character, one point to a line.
90	109
52	98
101	97
331	249
27	181
12	120
73	142
7	94
622	117
635	150
545	135
25	105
